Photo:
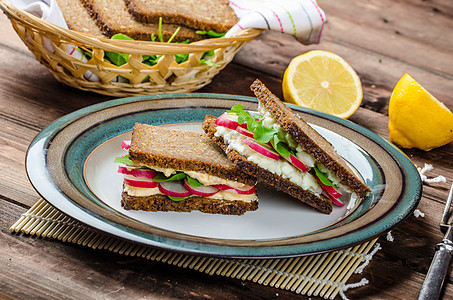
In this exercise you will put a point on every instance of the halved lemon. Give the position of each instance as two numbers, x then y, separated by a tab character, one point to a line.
323	81
416	118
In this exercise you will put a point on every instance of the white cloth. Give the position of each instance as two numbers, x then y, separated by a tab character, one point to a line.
48	10
303	19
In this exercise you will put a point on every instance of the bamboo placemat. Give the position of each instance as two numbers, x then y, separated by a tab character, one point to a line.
324	275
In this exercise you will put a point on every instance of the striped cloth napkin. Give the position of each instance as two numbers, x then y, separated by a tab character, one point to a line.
303	19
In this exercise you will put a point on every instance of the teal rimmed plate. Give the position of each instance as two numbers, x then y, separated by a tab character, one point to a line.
70	164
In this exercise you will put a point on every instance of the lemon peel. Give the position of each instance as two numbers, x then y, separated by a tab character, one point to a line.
416	118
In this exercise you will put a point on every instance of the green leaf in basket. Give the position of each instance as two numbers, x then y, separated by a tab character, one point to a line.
118	59
120	36
211	33
209	62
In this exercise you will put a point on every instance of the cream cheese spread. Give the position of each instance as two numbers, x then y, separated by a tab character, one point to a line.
221	195
280	167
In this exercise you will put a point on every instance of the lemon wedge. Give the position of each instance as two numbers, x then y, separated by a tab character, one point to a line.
416	118
323	81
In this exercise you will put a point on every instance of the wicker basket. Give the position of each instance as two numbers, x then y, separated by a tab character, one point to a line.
132	78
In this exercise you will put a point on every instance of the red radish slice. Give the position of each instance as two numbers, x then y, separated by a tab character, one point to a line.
262	149
137	172
126	144
244	131
203	191
227	120
296	162
174	188
247	190
140	184
336	201
331	192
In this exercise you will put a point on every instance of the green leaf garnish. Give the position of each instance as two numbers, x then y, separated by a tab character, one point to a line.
322	177
210	33
160	177
209	62
193	182
177	198
124	160
120	36
263	134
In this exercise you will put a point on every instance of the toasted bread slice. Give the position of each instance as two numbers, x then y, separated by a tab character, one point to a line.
77	17
195	154
182	150
112	17
320	202
214	15
310	139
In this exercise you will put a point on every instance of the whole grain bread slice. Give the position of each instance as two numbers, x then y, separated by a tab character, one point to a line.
206	205
77	17
112	17
214	15
320	202
183	151
310	139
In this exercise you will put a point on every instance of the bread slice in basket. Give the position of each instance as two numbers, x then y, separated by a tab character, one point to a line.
214	15
112	17
77	17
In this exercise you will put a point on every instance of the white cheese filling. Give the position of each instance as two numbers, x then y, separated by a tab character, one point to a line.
280	167
301	154
221	195
203	178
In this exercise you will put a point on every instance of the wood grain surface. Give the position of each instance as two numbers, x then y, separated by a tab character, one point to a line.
381	39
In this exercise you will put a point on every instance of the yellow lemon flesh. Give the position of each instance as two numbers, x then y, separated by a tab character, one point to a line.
416	118
323	81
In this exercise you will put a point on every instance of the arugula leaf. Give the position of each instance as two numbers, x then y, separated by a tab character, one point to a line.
193	182
322	177
263	134
121	36
124	160
281	147
211	33
209	62
160	177
177	198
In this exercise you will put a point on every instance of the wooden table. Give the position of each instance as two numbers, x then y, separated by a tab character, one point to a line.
381	39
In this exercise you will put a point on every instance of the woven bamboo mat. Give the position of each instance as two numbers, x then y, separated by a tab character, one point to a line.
323	275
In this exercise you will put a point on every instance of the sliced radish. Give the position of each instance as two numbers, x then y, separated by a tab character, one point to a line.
262	149
126	144
140	183
227	120
247	190
331	192
244	131
137	172
174	188
297	163
336	201
203	191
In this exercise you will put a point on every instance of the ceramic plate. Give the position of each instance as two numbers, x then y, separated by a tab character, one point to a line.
70	163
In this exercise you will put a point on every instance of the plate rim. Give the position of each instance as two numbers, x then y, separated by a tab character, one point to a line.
52	129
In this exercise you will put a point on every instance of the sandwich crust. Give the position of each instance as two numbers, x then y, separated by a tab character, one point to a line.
311	140
320	202
206	205
183	151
